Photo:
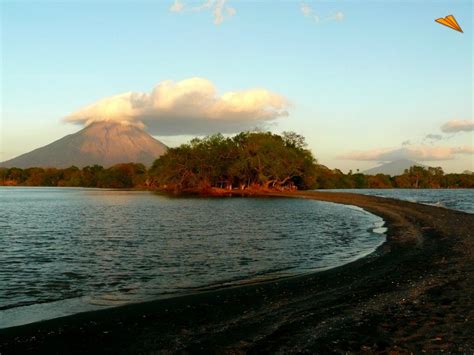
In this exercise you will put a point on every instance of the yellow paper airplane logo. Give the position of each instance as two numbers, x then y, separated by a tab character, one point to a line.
450	22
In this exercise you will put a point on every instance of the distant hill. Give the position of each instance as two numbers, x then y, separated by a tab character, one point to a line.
393	168
102	143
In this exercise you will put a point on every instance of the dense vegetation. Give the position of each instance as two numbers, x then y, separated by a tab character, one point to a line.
248	160
253	160
119	176
413	178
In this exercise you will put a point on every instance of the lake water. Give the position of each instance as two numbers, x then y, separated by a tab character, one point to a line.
67	250
457	199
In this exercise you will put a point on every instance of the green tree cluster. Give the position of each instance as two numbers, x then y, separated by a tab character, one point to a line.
118	176
248	160
413	178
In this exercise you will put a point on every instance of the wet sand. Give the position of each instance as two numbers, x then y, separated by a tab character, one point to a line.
414	294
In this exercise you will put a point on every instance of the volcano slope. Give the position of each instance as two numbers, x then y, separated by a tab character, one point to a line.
101	143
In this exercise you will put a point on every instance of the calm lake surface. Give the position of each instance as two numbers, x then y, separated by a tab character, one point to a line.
456	199
67	250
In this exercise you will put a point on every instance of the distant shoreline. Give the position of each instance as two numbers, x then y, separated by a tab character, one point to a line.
223	192
415	293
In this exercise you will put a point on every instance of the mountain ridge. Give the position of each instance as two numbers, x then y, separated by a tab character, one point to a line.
393	168
101	143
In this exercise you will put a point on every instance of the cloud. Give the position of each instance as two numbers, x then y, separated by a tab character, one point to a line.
190	106
220	10
338	16
435	137
455	126
308	12
177	6
420	153
431	138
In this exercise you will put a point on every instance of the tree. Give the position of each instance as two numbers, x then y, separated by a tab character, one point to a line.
379	181
417	176
71	177
35	177
90	175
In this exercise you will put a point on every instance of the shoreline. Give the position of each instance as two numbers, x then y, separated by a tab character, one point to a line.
236	191
414	293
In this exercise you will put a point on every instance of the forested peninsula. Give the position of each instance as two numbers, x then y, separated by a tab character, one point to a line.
249	161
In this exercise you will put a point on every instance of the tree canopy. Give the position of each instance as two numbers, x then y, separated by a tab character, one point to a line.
249	159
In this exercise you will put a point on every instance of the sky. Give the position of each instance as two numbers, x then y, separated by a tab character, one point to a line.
363	81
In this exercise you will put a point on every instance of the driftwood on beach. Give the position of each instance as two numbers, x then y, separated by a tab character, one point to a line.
414	294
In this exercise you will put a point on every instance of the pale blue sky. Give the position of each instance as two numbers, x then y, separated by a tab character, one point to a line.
385	74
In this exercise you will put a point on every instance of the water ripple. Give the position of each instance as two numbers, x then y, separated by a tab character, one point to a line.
112	247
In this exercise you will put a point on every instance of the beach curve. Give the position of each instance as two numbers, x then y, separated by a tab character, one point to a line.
414	294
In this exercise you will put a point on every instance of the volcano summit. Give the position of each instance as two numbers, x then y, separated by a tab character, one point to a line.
102	143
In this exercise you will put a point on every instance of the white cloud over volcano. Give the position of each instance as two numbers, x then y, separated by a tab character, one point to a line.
190	106
421	153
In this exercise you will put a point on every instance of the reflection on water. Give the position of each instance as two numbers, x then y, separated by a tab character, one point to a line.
108	247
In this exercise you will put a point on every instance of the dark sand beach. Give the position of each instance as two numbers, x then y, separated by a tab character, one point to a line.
414	294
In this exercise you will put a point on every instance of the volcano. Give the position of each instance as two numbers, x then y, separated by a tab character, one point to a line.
393	168
102	143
